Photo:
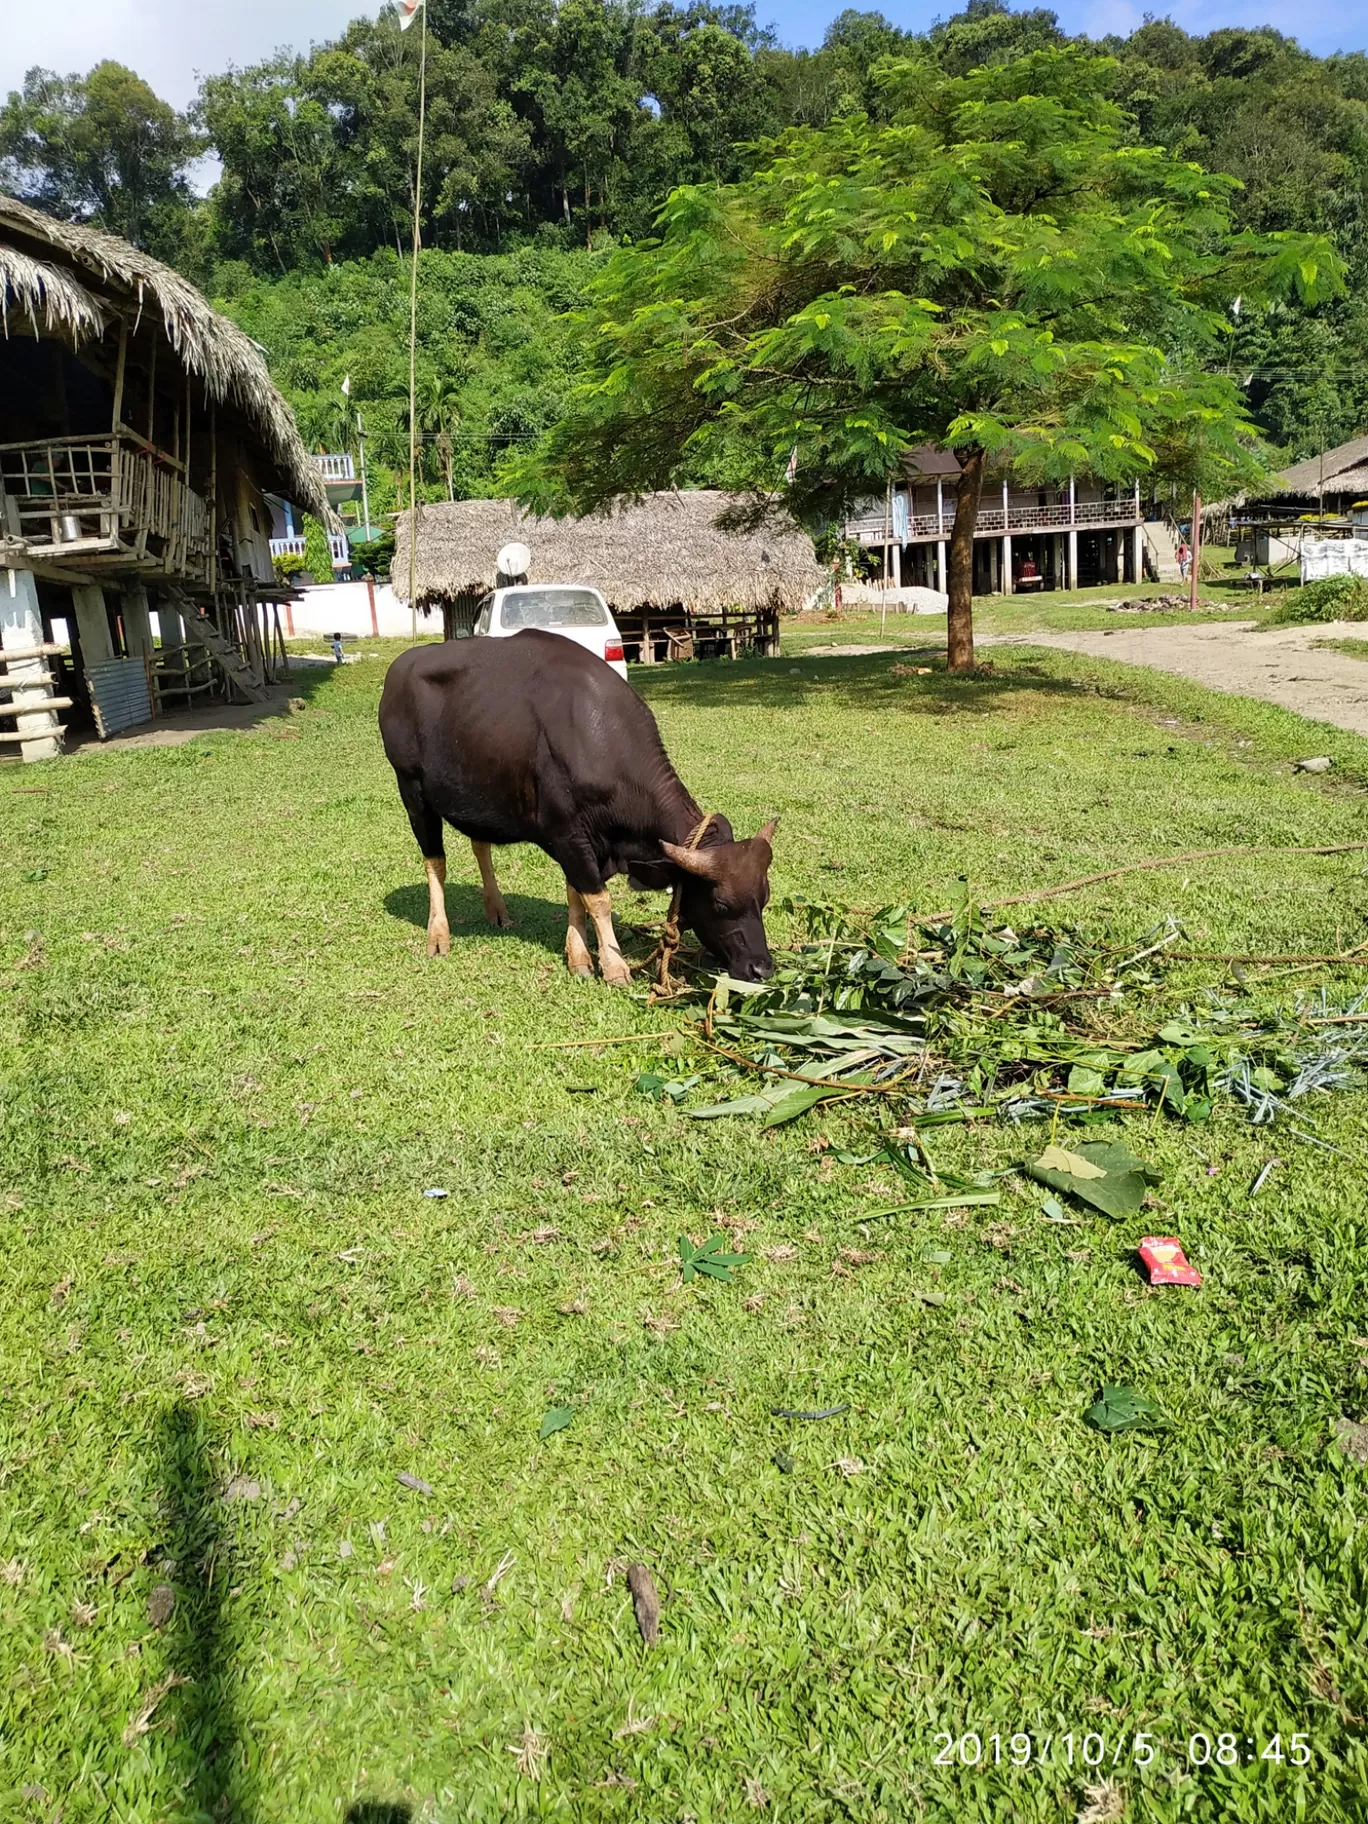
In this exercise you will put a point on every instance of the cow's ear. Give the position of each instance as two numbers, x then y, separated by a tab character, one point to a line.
767	834
703	862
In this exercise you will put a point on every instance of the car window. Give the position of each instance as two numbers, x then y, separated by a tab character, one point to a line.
486	610
551	608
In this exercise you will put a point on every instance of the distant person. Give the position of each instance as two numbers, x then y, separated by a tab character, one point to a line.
337	647
1184	556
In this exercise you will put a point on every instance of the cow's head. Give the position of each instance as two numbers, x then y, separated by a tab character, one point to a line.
726	890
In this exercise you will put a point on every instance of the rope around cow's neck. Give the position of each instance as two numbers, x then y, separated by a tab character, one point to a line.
667	985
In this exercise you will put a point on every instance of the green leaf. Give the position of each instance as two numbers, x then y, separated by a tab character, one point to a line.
556	1420
743	1105
708	1258
798	1101
1123	1409
1085	1082
649	1084
1119	1191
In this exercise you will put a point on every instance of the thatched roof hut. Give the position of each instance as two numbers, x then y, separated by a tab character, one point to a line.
665	551
73	282
1338	474
143	450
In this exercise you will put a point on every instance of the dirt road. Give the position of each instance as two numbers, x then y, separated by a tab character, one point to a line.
1281	666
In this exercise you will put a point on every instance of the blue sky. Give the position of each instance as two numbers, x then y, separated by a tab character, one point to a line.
171	41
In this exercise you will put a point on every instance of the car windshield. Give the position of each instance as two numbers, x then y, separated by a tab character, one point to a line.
552	608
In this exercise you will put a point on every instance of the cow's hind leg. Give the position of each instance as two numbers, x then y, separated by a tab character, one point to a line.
438	930
577	958
615	970
427	827
495	909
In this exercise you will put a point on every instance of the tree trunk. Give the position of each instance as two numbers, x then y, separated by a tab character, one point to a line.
960	615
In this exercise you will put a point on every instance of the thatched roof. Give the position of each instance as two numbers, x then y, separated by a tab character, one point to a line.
1338	471
666	549
63	278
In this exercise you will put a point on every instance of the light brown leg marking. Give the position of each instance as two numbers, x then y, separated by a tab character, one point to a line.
577	958
439	931
614	970
495	909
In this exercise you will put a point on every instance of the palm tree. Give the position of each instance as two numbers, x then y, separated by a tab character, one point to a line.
438	412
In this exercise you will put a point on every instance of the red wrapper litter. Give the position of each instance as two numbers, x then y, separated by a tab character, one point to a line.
1167	1263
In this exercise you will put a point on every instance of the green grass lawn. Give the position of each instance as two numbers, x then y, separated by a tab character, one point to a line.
230	1317
1351	648
1065	609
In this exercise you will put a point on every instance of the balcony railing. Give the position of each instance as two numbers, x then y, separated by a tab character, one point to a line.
294	547
94	497
876	527
336	468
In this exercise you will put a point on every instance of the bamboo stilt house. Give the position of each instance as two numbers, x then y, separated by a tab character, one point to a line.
678	584
139	436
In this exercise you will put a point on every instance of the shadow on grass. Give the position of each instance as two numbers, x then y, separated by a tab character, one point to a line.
206	1741
870	682
379	1811
539	923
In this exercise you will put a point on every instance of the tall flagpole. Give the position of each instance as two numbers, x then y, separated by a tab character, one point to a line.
413	335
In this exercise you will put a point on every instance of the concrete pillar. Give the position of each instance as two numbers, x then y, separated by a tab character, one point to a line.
1073	552
21	629
1138	552
897	566
942	568
92	623
137	621
1006	566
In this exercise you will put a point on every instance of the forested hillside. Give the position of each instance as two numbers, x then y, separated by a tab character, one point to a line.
555	131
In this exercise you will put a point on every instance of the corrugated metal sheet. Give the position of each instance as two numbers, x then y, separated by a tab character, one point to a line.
118	695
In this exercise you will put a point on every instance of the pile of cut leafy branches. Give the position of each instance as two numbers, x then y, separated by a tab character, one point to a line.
959	1019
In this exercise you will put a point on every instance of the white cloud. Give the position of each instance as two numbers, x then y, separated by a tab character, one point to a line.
169	42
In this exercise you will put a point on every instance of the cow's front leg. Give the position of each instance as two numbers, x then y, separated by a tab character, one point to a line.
495	909
438	930
615	970
577	958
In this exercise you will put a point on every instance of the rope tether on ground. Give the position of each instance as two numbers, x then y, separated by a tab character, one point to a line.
667	985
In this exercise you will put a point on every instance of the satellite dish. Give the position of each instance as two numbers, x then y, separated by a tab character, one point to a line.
514	560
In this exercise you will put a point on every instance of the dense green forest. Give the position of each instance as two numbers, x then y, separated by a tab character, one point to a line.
556	131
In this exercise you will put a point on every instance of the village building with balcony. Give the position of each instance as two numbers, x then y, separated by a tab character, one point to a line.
345	488
141	444
1076	536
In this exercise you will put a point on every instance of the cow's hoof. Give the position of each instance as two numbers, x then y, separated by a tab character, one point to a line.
617	974
582	972
439	942
499	918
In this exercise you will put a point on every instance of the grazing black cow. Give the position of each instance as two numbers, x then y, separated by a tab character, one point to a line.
534	739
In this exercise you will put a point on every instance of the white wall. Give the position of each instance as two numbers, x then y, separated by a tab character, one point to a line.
345	608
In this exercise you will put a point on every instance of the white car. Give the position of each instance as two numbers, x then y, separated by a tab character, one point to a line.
570	609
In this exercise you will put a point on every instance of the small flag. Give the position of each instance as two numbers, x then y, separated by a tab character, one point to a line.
408	12
346	387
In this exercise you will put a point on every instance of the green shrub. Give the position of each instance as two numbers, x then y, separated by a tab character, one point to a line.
289	564
317	553
1333	598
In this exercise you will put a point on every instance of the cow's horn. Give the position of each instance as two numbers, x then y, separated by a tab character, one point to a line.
702	862
767	834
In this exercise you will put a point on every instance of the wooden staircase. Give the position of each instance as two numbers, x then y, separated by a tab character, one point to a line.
226	656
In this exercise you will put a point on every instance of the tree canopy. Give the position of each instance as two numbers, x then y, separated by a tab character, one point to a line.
991	266
565	127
